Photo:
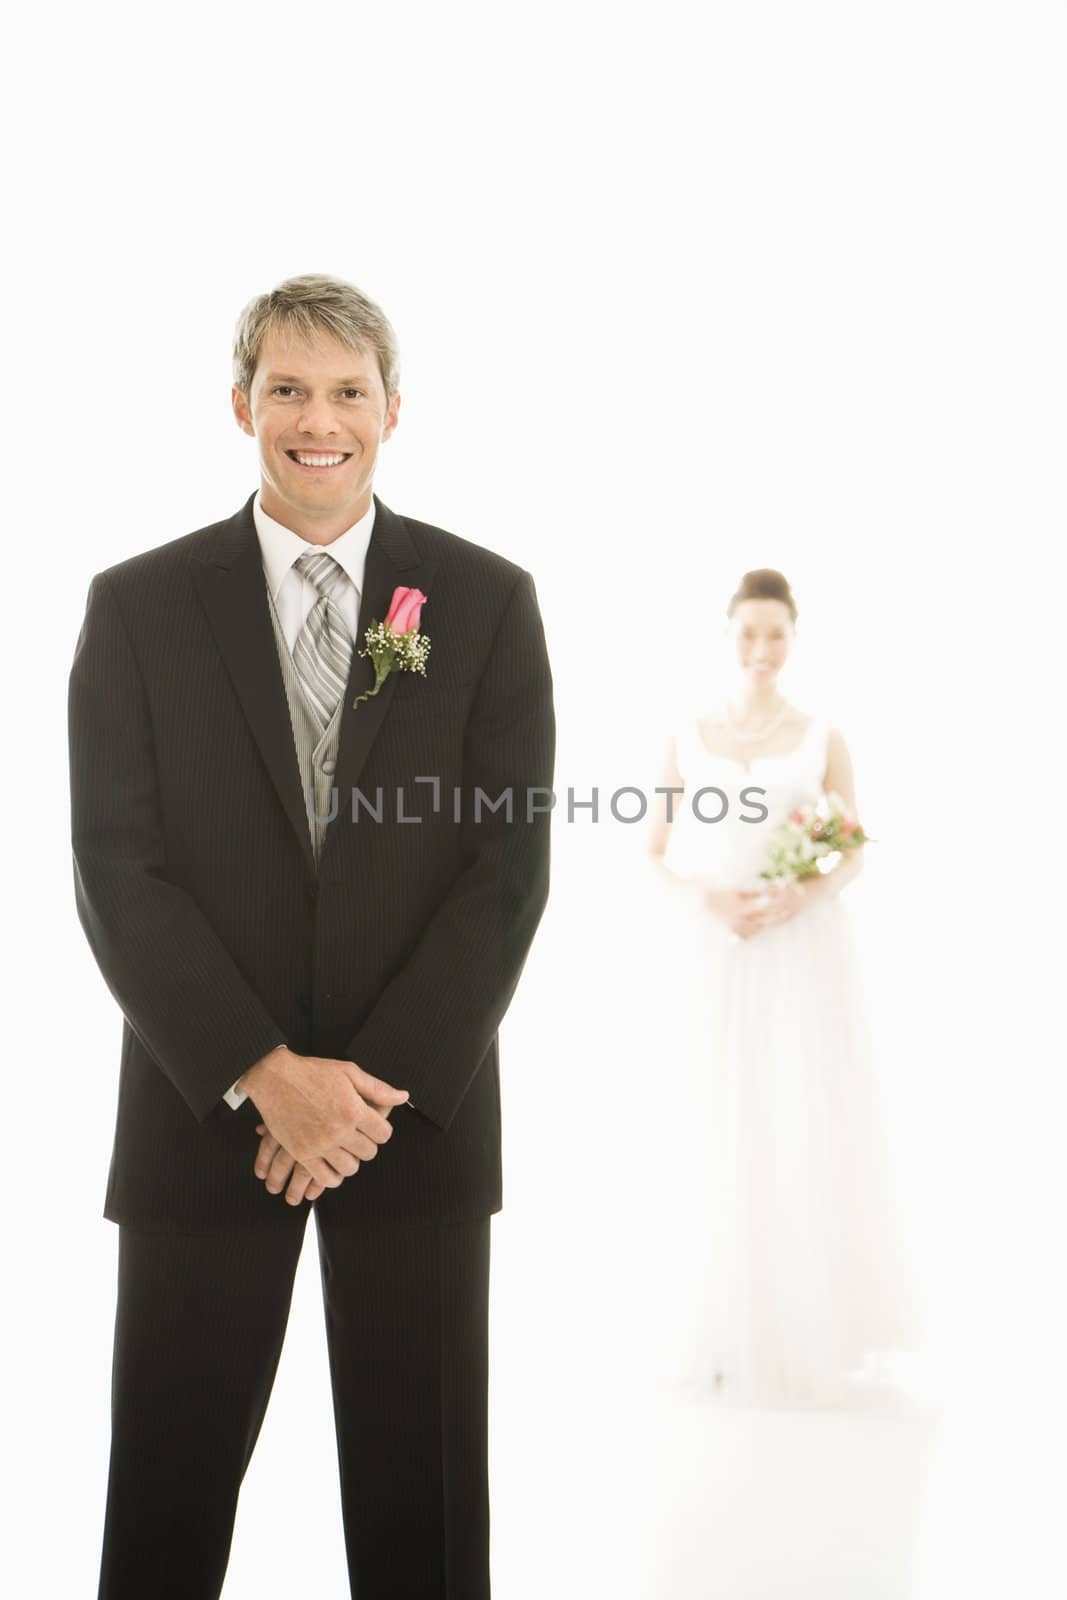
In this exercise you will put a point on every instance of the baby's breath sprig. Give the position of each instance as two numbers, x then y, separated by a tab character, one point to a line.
393	652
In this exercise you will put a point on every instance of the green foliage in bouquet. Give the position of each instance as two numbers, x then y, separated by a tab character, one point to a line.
809	835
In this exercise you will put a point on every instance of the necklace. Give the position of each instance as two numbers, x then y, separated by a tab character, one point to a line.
754	738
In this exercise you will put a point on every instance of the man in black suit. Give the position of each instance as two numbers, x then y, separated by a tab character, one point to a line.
313	905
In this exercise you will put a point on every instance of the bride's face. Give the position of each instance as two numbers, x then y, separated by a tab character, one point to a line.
762	632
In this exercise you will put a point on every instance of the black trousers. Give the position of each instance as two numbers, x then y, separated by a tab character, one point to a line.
198	1334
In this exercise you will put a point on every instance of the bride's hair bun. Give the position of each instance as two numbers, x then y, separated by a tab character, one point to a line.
764	583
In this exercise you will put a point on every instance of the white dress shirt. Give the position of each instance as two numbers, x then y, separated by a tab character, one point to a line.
295	596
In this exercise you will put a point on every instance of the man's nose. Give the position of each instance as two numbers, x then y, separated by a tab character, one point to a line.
317	417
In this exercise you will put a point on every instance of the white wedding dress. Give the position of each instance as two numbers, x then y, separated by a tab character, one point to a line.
804	1282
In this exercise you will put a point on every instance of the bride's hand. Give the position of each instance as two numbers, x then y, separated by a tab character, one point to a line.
738	908
781	901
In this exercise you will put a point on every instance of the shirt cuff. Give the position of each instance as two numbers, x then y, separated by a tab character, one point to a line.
234	1096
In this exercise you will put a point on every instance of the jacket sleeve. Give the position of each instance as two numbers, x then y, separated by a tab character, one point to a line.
432	1025
177	985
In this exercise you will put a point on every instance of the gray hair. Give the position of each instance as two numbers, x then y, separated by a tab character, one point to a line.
315	303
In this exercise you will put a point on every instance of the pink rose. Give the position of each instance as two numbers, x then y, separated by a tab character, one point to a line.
405	609
796	816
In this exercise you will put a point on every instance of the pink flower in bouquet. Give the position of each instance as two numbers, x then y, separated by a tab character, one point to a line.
405	609
796	816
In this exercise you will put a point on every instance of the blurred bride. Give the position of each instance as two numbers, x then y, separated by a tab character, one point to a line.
807	1286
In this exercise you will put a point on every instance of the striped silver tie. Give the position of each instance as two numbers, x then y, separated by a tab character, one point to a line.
322	653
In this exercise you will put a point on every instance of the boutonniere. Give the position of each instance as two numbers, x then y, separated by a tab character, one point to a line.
396	645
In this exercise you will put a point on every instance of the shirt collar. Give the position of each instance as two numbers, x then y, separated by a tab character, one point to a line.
280	546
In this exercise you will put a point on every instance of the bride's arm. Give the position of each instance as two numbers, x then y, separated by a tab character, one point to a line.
664	809
840	779
832	882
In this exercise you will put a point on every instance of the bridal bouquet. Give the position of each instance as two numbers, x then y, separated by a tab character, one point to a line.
809	835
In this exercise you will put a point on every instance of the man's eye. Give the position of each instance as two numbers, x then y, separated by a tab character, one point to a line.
287	388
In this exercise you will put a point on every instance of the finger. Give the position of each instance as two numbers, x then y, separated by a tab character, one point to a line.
280	1168
268	1149
322	1171
360	1145
343	1160
313	1190
372	1088
372	1124
299	1184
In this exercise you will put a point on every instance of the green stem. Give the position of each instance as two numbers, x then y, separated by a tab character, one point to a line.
381	672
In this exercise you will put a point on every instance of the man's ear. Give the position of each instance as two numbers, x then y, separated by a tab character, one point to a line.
239	403
392	414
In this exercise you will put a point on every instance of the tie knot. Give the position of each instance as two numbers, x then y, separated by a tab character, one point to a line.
326	574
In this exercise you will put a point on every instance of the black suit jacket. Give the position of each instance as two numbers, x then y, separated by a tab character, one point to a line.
196	886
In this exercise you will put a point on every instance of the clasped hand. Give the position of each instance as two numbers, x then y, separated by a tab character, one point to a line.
321	1118
749	911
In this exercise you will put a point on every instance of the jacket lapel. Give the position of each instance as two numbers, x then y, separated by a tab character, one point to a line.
392	558
232	587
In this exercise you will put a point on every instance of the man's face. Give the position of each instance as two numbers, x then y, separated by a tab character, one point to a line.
309	404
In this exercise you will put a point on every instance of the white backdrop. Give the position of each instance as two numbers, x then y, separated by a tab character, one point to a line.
679	292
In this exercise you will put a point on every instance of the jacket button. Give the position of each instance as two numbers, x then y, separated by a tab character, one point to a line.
329	767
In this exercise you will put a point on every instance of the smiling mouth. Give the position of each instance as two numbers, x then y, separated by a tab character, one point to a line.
319	460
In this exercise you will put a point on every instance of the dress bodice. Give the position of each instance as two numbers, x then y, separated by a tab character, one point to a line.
731	852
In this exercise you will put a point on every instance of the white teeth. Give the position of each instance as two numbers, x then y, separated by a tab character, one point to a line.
318	461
